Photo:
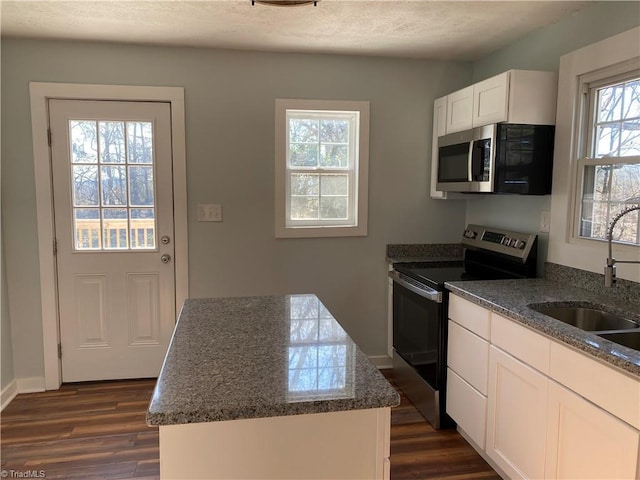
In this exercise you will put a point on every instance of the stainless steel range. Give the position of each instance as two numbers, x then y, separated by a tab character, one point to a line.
420	303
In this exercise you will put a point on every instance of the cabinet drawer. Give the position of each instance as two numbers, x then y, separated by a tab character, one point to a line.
468	356
467	407
521	342
612	390
471	316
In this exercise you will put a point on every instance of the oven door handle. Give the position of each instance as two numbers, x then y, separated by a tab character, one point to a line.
416	287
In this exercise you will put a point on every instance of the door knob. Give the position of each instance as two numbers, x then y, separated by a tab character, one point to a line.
166	258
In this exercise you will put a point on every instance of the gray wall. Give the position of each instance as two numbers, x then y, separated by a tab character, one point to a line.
541	50
230	144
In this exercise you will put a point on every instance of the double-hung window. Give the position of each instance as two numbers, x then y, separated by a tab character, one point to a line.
321	168
609	156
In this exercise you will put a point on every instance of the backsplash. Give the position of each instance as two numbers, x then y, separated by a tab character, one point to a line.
623	290
419	252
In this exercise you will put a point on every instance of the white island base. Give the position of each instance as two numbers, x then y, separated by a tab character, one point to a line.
352	444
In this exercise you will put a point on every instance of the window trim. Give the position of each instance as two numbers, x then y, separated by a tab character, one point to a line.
584	127
361	174
562	248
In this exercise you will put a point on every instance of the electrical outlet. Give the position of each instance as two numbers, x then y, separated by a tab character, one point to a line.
209	213
545	221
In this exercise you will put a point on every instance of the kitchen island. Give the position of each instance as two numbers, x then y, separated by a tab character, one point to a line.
269	387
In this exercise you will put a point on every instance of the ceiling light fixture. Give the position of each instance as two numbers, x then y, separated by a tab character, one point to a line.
285	3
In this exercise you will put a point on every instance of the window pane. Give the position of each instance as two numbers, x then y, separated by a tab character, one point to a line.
143	228
334	156
610	103
112	148
141	185
335	185
114	185
632	99
140	138
607	141
333	208
334	131
87	228
113	221
630	139
304	208
304	184
85	185
607	190
303	131
84	140
303	155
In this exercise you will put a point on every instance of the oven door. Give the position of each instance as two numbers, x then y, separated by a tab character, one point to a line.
418	323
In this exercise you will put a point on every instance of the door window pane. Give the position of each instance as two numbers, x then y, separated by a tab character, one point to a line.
84	141
114	185
112	169
141	185
87	228
140	138
85	186
112	149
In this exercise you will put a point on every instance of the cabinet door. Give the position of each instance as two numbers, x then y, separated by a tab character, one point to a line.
490	100
439	129
459	109
516	416
584	441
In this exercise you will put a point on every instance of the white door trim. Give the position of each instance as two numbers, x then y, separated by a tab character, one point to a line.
40	93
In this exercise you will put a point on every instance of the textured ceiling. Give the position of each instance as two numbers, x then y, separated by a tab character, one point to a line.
455	30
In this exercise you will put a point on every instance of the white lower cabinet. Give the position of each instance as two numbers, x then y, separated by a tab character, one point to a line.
585	442
548	411
516	416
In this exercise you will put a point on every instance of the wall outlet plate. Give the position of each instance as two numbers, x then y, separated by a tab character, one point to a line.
545	221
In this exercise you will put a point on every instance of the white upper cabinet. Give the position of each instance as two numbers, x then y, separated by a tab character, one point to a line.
490	100
459	110
515	96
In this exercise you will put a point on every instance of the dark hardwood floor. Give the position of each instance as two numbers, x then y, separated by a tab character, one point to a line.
97	430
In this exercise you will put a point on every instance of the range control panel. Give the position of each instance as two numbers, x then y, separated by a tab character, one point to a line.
515	244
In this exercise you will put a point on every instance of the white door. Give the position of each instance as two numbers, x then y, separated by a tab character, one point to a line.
113	206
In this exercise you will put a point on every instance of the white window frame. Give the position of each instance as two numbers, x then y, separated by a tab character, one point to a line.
563	247
585	127
358	114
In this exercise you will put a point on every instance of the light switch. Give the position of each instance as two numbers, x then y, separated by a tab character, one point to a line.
209	213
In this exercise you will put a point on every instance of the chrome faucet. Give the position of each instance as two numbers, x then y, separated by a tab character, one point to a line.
610	269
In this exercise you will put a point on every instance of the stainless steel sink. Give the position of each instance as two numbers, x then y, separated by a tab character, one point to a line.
588	319
628	339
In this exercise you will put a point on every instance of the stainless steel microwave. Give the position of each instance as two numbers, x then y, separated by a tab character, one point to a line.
497	158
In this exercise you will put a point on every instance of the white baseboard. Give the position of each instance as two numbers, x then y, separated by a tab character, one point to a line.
31	384
381	361
8	393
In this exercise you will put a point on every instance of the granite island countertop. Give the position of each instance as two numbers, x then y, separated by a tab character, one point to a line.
252	357
511	298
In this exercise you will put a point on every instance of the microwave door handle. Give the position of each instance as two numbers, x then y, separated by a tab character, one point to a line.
470	162
476	162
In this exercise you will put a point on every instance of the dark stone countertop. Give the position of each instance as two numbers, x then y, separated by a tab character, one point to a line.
511	298
252	357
